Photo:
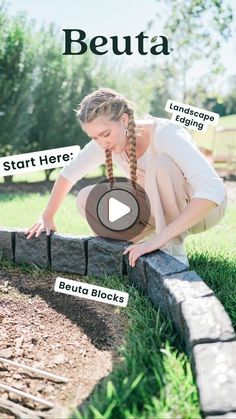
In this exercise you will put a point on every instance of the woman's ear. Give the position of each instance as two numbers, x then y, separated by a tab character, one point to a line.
125	119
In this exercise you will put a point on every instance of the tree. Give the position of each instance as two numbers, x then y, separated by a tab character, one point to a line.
80	82
59	86
17	60
195	29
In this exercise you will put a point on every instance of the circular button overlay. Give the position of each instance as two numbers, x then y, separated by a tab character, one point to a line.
121	212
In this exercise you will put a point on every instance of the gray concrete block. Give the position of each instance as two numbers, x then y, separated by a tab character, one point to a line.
181	287
137	275
205	320
31	251
229	415
184	285
159	264
6	243
68	253
105	257
215	368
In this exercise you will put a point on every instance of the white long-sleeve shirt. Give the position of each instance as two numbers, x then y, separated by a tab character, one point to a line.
167	138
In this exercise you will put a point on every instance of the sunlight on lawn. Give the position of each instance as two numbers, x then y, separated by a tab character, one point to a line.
219	239
23	210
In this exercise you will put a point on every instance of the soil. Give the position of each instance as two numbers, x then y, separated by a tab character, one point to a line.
68	336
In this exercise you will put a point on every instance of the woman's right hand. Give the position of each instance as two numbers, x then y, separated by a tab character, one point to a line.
44	223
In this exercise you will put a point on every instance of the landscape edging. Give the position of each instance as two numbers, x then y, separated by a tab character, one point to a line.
171	286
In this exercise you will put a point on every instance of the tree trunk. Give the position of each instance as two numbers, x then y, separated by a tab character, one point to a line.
48	173
8	180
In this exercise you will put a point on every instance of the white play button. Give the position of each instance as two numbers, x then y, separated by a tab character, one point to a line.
117	209
120	212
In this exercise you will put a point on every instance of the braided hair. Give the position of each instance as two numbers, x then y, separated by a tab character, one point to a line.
107	102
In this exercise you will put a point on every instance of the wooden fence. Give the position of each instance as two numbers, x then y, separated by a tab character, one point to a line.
223	153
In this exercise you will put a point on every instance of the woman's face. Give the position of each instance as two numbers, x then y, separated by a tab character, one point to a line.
108	134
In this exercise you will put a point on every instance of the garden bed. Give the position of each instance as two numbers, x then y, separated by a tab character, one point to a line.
67	336
135	348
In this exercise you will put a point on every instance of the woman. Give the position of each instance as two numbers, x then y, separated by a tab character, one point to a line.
185	192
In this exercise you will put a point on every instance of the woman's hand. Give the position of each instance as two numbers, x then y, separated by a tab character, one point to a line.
137	250
44	223
196	210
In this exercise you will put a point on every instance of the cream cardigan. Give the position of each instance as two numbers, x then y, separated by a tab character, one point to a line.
167	138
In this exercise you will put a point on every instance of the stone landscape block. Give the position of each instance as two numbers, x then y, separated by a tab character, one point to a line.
105	257
6	243
137	275
205	320
32	251
68	253
182	287
159	264
215	368
229	415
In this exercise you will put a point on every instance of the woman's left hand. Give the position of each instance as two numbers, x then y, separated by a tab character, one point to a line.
137	250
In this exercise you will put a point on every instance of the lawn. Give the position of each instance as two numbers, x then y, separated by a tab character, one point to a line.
22	210
212	255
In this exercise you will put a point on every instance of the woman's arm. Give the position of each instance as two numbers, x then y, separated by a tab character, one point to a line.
87	160
196	210
207	187
60	189
177	143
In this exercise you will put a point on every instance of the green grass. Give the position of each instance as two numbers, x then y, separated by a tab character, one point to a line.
39	176
212	255
155	379
22	210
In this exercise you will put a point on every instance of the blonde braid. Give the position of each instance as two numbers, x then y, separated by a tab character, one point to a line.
132	149
101	110
109	167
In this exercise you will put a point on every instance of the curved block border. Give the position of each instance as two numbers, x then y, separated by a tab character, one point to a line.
181	294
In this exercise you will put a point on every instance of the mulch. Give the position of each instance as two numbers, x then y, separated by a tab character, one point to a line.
68	336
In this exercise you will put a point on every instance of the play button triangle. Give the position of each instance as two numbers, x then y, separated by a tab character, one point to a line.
117	209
